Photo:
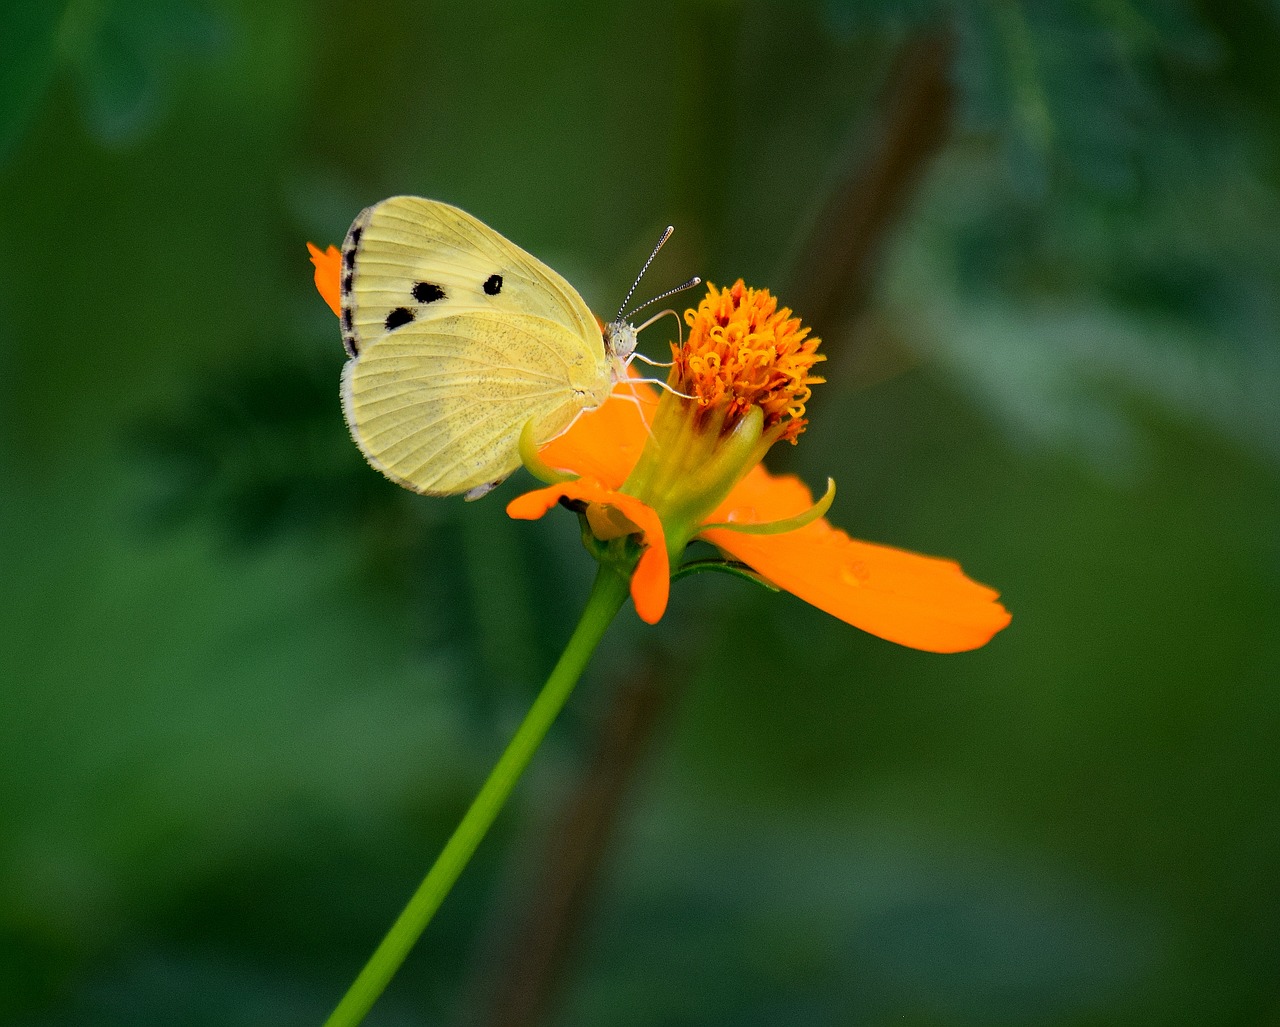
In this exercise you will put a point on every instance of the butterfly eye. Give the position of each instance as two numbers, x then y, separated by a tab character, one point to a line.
493	285
425	292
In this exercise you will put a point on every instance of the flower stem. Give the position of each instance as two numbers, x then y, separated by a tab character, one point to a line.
608	593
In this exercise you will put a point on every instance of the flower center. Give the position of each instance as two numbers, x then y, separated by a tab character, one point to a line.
743	351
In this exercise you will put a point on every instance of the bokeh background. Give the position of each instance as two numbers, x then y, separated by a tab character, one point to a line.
247	686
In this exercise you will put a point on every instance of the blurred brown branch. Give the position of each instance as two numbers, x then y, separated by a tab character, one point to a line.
833	275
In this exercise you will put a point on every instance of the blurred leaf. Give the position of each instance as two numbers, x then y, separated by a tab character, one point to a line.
849	930
1057	315
28	60
123	93
846	17
128	54
262	452
1063	378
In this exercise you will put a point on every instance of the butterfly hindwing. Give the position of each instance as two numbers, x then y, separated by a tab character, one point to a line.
438	405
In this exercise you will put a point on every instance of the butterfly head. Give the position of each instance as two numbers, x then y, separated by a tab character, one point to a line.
620	334
620	340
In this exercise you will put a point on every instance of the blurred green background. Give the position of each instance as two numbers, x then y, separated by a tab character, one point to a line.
248	685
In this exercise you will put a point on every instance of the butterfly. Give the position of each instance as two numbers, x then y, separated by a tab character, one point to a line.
457	339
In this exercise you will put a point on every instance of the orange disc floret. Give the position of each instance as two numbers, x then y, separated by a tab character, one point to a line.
743	351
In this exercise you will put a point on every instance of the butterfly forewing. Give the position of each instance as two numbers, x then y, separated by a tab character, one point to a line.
410	259
458	338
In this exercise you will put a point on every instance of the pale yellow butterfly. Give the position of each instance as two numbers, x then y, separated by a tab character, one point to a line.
457	339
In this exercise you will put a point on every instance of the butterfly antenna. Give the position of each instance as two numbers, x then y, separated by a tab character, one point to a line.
695	280
665	236
637	355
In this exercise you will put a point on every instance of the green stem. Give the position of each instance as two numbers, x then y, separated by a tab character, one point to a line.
608	593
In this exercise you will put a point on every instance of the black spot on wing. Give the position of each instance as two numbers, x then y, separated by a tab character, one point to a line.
347	281
397	318
493	285
349	258
346	319
355	235
425	292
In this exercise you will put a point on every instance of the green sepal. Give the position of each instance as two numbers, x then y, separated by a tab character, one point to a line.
534	464
620	553
714	563
800	520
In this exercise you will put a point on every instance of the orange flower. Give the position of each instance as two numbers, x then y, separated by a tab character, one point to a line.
695	465
654	474
613	515
749	353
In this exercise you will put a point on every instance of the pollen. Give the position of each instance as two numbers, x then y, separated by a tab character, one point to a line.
744	351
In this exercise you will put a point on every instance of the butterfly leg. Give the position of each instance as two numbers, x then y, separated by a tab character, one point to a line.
631	397
651	363
664	386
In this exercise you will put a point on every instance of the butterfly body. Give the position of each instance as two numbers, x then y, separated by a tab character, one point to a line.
458	338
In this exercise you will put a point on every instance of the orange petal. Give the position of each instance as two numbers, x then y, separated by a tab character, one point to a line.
917	601
651	580
651	584
605	443
328	266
